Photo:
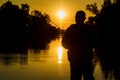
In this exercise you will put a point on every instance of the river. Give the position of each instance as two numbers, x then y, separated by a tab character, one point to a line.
51	64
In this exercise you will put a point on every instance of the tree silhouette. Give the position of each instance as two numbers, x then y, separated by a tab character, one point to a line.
42	31
13	32
21	30
107	40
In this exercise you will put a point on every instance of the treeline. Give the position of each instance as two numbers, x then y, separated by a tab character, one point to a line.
106	25
21	30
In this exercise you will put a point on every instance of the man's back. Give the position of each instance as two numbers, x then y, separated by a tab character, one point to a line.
77	36
77	39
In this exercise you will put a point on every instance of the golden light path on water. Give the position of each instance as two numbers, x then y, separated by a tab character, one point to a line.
60	52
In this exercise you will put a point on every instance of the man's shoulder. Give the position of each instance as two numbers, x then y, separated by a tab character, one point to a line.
71	26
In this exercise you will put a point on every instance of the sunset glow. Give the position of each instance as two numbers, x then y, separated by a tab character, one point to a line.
58	10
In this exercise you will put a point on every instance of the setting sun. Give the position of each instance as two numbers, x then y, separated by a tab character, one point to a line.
61	14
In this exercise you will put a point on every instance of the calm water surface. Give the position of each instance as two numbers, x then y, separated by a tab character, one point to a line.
49	64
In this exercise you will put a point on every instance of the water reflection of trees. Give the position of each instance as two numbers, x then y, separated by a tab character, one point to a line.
23	58
21	30
106	25
13	59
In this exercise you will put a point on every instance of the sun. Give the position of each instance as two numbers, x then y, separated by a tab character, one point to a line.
61	14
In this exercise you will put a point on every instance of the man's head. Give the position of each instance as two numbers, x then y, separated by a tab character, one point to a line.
80	17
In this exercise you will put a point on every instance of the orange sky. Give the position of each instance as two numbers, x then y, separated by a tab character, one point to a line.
51	7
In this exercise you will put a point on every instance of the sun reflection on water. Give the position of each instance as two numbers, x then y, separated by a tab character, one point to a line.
60	51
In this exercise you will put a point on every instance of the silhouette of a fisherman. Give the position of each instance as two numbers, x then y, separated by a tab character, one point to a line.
78	40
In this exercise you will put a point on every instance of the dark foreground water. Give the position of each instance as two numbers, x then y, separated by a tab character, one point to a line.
49	64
